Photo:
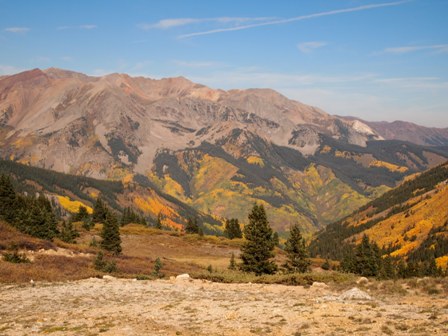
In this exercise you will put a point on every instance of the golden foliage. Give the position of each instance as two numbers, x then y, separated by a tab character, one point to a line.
326	149
389	166
72	206
410	228
213	173
255	160
173	188
155	206
128	178
442	262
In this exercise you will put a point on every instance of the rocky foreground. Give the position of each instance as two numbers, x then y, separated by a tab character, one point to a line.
194	307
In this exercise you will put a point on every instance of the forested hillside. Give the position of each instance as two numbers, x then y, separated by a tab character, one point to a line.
408	223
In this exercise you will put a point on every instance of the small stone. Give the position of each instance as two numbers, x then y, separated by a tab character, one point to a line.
108	277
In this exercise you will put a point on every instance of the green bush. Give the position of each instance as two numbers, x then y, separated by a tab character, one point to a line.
103	265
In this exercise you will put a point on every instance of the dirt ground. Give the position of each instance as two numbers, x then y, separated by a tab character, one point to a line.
174	307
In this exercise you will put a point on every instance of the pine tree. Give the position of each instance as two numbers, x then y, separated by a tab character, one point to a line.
257	251
8	199
232	263
68	233
276	239
348	261
99	211
387	270
431	268
82	214
158	224
110	234
232	229
296	251
367	258
192	226
157	268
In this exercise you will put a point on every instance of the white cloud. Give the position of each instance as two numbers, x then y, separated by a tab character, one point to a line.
297	18
88	26
408	49
307	47
17	30
171	23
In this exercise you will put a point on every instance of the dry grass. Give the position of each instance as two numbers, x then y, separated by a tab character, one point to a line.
47	268
295	279
10	238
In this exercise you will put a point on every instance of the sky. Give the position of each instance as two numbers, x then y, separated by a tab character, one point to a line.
376	60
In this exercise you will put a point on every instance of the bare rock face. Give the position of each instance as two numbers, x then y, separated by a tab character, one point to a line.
355	294
92	122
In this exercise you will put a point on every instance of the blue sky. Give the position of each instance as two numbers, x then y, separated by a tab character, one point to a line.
378	60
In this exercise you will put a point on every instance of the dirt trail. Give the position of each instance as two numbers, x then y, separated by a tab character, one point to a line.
128	307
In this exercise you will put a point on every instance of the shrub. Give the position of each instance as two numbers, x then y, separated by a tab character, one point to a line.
103	265
15	257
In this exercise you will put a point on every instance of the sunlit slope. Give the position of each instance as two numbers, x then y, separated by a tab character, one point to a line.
70	192
410	220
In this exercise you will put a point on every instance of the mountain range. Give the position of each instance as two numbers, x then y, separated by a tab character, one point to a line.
213	151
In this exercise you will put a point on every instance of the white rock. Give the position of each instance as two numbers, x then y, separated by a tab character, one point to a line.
319	285
355	294
108	277
184	276
362	281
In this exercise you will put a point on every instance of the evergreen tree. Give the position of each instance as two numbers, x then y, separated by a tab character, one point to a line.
296	251
387	270
257	251
158	224
431	268
232	229
99	211
192	226
8	199
348	261
276	239
232	263
87	223
110	234
37	218
82	214
68	233
402	269
367	258
157	268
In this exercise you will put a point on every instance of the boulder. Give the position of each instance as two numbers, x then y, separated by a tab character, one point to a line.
319	285
362	281
108	277
355	294
183	277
